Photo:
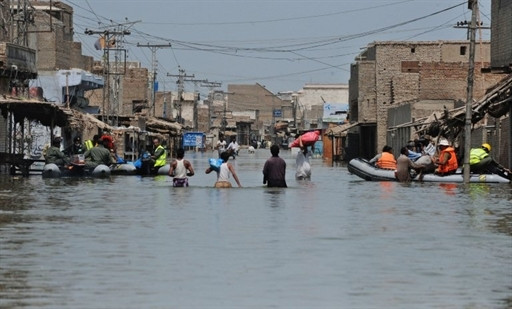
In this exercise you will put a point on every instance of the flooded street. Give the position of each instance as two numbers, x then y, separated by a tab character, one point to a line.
336	241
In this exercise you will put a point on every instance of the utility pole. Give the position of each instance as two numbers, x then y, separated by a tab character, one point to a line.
473	5
112	89
67	88
211	86
181	79
154	64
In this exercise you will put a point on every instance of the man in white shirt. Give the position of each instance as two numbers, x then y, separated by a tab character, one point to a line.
233	147
221	145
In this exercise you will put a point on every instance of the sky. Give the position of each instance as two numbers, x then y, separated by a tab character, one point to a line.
280	44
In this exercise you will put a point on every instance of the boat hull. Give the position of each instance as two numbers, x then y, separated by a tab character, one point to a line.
366	171
53	171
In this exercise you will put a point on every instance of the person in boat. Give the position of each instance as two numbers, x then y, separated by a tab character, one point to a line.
98	155
481	162
55	155
223	173
91	143
274	169
107	137
385	160
76	148
412	153
159	156
180	169
404	164
447	162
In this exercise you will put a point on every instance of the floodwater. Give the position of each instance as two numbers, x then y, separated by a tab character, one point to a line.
335	241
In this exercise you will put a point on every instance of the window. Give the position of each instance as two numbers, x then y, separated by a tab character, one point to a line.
463	50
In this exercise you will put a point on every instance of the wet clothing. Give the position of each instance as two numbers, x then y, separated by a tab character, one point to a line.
180	174
180	182
386	161
403	166
223	177
451	165
274	172
54	155
96	156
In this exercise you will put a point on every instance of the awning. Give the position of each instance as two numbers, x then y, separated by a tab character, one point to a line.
162	126
496	103
341	130
47	114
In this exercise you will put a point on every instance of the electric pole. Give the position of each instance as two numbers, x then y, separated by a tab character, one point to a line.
181	79
154	64
211	86
112	73
473	5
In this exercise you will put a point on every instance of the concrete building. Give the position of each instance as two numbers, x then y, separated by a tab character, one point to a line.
267	107
422	76
313	99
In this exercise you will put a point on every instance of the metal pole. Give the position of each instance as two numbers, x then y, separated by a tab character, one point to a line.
473	4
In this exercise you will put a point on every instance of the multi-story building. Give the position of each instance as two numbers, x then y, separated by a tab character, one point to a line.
396	82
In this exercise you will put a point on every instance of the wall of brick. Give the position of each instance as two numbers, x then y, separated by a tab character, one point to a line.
406	71
135	88
366	96
501	33
253	97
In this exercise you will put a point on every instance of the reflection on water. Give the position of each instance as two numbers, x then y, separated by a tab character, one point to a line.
334	241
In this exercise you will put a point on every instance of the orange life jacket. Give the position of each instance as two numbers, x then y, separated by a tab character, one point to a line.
387	161
451	165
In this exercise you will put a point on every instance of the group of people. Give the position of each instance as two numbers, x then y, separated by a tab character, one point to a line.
232	148
94	152
421	156
274	170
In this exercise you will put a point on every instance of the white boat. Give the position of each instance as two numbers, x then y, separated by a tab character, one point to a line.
367	171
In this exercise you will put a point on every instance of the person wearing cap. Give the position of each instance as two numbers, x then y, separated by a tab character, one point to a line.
447	162
481	162
76	148
386	159
55	155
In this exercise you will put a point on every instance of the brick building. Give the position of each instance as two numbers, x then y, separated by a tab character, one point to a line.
501	34
51	35
425	76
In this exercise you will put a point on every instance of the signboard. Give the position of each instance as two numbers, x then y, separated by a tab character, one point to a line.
335	112
278	113
193	139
